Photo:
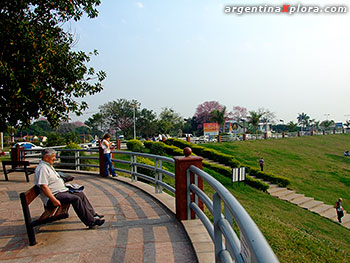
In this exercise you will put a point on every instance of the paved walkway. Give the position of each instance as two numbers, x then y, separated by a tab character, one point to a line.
138	228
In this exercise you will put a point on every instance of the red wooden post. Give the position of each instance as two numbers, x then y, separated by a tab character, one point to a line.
188	139
323	132
283	134
265	135
163	139
343	130
16	155
118	144
181	166
102	160
219	138
244	137
298	133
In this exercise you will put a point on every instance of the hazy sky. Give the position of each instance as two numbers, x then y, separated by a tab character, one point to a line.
179	54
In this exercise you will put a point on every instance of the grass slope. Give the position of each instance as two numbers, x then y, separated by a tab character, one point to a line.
315	165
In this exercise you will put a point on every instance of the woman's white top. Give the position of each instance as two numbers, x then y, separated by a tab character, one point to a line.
106	146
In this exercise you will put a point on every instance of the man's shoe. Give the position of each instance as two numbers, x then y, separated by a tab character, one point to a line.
114	175
98	222
98	215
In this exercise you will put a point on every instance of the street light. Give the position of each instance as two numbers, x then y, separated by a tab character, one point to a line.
134	108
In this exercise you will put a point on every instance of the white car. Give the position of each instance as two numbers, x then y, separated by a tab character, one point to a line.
28	146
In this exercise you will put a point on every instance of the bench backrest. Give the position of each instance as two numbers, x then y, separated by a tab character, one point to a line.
31	194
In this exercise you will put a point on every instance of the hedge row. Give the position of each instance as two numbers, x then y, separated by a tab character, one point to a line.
227	172
160	148
229	161
205	152
275	179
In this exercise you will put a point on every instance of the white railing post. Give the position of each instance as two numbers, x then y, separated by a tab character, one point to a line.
217	232
132	168
76	160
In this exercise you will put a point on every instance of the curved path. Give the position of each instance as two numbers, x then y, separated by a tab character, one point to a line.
138	228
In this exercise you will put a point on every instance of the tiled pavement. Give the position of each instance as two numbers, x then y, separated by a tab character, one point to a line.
138	228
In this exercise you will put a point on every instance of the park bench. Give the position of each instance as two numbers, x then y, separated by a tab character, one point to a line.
17	166
49	215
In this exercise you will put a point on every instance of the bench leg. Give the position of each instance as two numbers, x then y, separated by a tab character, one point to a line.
26	173
28	219
5	172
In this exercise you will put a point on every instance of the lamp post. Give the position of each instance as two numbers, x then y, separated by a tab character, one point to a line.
134	108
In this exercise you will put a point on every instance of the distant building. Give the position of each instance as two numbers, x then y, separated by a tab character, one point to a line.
265	127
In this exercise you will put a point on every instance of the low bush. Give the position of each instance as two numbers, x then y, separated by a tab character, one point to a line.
205	152
134	145
275	179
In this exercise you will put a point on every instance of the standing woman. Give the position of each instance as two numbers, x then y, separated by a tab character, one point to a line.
339	208
107	147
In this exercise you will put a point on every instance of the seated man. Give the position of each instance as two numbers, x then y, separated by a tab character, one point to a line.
54	192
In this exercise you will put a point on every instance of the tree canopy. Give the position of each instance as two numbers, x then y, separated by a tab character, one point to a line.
39	73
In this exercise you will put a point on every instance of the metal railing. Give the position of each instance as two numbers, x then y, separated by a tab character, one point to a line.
77	164
251	246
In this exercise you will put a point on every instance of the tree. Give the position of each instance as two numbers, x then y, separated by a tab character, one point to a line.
239	113
95	122
347	124
327	124
190	125
170	122
39	73
203	111
146	123
254	119
118	115
219	116
303	120
292	126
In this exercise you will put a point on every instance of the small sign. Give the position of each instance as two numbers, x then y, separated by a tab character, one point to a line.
238	174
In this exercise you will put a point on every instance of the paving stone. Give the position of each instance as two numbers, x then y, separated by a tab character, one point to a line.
301	200
274	190
330	213
283	193
311	204
290	196
321	208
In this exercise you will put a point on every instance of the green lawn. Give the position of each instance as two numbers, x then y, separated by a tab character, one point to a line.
315	165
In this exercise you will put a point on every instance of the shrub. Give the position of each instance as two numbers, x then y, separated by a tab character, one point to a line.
275	179
134	145
256	183
54	139
205	152
157	148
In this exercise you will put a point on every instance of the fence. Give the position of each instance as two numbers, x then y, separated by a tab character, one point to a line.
189	198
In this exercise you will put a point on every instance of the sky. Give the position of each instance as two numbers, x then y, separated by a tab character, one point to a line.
179	54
